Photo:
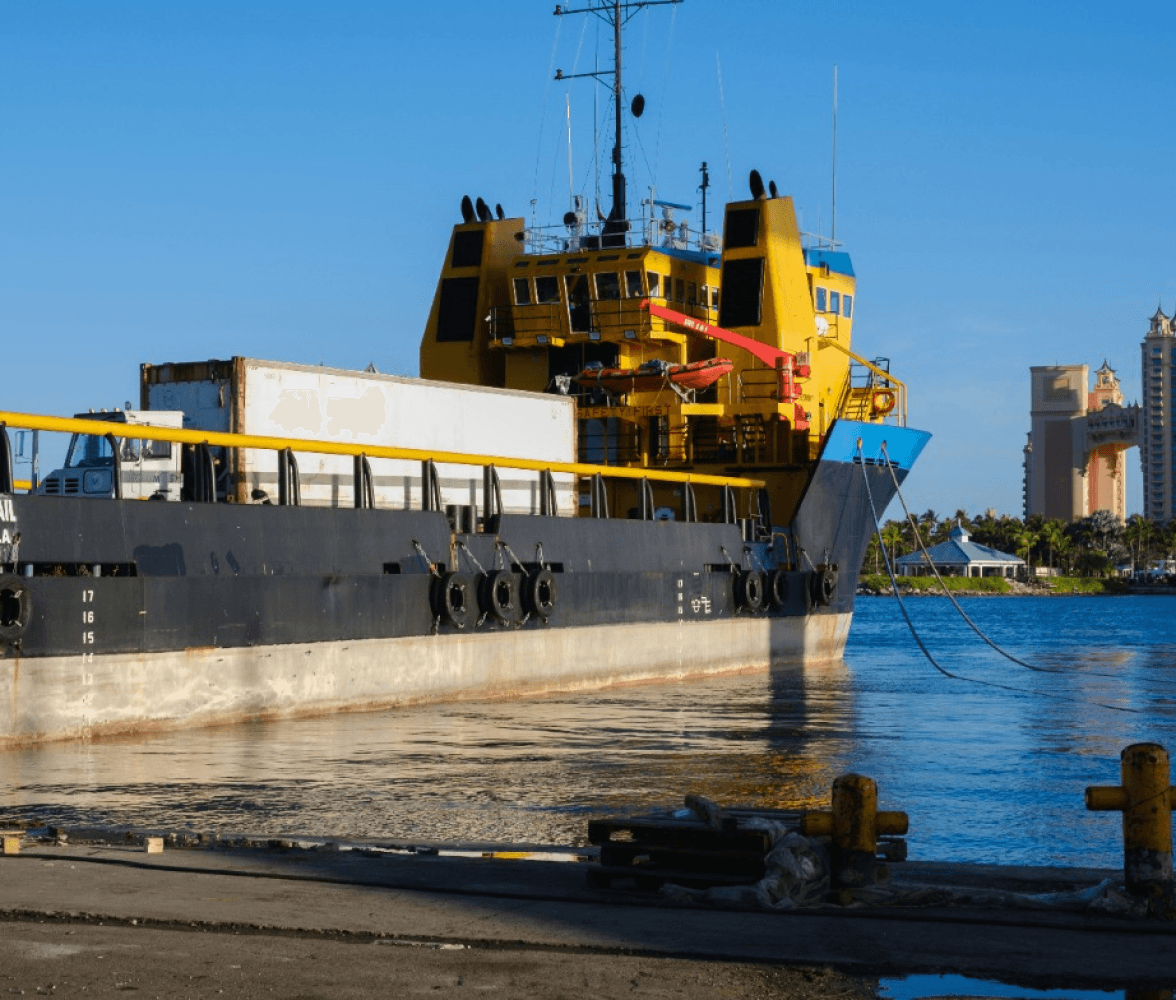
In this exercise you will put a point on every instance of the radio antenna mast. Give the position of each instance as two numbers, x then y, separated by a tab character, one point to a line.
614	13
833	222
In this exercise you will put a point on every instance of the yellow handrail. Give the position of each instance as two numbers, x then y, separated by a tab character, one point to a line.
221	439
830	342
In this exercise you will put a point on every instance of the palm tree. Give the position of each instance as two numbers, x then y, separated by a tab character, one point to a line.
891	536
1139	534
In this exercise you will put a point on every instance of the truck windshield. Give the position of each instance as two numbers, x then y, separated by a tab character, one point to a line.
89	451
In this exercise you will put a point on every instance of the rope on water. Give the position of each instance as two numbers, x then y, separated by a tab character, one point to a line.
951	597
918	639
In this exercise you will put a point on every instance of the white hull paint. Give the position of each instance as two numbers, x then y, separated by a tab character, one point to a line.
56	698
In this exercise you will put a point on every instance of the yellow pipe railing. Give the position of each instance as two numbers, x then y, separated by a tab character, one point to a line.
221	439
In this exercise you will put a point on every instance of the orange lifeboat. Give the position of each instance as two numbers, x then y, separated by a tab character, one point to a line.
653	375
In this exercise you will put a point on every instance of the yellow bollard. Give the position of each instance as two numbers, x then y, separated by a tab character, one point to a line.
854	825
1146	800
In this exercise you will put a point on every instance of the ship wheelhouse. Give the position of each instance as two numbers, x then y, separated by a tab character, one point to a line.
544	317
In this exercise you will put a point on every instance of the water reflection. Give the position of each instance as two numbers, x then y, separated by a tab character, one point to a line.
986	773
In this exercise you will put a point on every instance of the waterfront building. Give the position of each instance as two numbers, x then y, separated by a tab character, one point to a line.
1074	461
959	556
1158	436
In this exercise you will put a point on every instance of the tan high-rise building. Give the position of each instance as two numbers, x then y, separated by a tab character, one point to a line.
1158	435
1074	463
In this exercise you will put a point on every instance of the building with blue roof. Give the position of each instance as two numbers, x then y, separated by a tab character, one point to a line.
959	556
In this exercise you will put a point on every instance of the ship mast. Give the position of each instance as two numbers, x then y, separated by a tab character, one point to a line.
614	13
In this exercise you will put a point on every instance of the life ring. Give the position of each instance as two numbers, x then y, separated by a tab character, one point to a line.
500	595
749	590
824	585
883	401
16	606
451	599
778	588
542	593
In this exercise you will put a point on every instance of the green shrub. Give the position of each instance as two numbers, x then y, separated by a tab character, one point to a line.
878	582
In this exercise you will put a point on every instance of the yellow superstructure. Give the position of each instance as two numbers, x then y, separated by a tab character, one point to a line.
505	317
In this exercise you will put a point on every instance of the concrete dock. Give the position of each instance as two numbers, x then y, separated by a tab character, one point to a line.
251	920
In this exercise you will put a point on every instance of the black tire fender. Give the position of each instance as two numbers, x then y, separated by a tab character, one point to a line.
500	596
824	584
778	588
749	590
16	606
453	599
542	593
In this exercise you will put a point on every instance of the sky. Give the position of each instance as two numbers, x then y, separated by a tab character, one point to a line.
279	180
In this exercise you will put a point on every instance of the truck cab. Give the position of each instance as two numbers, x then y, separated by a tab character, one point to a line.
146	470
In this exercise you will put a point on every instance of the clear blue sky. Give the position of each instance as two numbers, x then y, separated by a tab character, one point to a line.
279	179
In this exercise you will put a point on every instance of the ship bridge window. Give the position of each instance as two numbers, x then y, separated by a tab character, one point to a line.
522	290
822	300
547	289
742	228
834	302
608	285
458	312
847	306
654	284
692	292
633	284
743	292
467	249
89	451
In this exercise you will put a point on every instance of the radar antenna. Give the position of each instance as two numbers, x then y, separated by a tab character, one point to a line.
616	14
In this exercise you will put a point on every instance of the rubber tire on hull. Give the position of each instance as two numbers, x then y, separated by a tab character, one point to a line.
452	599
824	586
16	606
778	588
749	590
542	593
500	596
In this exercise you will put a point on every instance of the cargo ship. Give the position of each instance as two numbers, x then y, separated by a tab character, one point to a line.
633	454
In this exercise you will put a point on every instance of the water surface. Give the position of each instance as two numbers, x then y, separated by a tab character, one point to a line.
986	774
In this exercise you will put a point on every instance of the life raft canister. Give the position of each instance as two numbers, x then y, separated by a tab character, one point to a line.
883	401
16	606
749	590
778	588
500	596
541	593
452	598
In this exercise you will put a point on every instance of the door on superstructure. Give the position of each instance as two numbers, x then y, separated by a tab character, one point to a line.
579	309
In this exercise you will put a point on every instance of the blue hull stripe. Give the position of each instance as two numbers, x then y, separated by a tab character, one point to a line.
903	444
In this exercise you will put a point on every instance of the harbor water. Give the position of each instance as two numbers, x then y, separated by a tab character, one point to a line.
990	768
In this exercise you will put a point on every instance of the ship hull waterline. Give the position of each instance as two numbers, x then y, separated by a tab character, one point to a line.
136	693
141	617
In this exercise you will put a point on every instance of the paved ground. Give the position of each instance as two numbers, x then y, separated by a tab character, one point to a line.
101	961
311	923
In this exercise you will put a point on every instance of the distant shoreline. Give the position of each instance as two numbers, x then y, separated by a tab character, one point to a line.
877	585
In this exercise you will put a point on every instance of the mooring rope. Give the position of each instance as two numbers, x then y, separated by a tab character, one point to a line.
918	639
951	597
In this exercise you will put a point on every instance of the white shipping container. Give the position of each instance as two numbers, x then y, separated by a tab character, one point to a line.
275	399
